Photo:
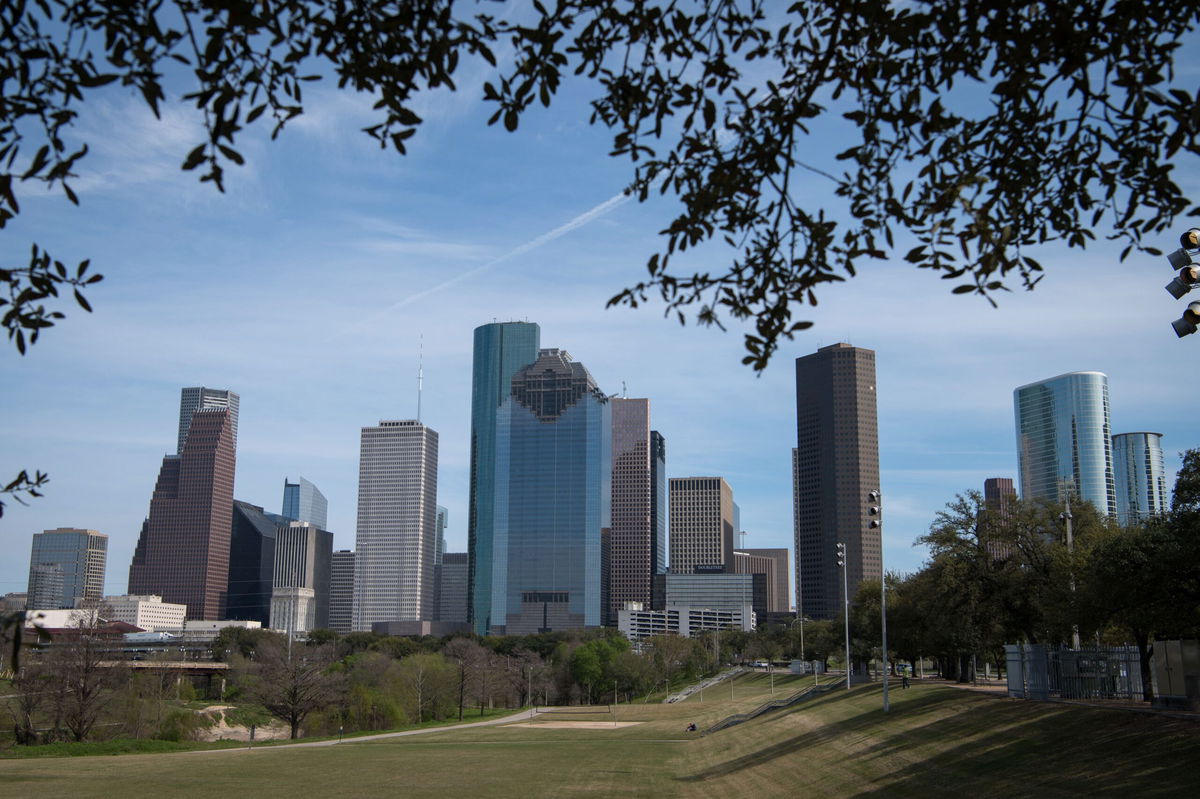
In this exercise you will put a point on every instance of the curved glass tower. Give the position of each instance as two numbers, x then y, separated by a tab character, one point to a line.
1140	476
1064	440
501	348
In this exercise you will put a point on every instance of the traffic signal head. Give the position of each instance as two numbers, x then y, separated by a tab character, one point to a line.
1186	324
1187	278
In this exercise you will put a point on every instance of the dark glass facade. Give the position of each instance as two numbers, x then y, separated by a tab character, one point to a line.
551	499
251	563
1064	440
1140	475
658	501
501	349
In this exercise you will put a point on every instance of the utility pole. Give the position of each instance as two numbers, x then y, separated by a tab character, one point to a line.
1067	520
841	562
875	511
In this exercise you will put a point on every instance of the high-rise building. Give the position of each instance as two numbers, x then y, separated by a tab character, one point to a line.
293	584
835	466
397	524
443	516
631	535
658	502
341	592
998	495
452	602
251	564
1140	476
201	398
501	348
79	557
552	494
702	524
304	502
773	564
183	552
1064	440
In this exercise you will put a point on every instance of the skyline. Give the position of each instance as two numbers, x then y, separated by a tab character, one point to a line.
307	287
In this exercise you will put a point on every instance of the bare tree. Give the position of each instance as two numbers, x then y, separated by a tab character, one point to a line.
468	656
80	679
291	688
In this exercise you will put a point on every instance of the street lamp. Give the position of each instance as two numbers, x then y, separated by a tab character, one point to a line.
841	562
1187	279
875	511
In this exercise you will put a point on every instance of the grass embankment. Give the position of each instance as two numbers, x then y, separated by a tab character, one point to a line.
937	741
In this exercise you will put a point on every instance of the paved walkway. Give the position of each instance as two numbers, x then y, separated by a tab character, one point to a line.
524	715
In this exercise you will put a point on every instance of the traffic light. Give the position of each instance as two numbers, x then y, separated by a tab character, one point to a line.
1186	324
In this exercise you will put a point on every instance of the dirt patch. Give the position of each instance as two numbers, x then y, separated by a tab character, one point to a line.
237	732
577	725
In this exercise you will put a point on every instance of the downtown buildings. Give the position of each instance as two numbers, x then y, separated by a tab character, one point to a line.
834	466
541	486
66	564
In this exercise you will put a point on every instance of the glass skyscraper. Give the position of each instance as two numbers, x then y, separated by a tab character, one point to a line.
1064	440
501	348
64	565
1141	478
303	502
550	500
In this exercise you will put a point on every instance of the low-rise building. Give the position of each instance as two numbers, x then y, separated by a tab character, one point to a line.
638	623
146	611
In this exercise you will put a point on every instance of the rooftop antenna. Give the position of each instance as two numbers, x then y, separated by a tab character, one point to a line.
624	391
420	373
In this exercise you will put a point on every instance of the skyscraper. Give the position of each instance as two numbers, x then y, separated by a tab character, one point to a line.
183	552
501	348
201	398
397	524
1140	476
304	502
79	556
773	564
702	524
300	581
251	564
1064	440
631	534
341	592
658	502
552	493
835	465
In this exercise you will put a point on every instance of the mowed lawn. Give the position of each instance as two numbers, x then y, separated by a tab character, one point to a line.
937	741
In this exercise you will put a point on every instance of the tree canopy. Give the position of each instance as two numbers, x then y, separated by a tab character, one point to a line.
974	130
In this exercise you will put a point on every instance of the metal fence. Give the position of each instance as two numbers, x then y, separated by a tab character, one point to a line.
1036	671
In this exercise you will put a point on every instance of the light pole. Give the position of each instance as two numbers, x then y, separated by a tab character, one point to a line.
841	562
1067	519
875	510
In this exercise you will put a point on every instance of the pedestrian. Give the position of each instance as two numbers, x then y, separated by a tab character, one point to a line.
903	680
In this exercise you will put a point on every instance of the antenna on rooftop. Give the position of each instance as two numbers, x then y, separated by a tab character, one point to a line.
624	391
420	373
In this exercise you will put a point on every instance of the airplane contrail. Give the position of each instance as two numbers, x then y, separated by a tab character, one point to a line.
563	229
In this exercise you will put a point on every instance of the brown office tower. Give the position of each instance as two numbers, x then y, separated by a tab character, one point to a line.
702	525
773	563
835	465
631	544
183	552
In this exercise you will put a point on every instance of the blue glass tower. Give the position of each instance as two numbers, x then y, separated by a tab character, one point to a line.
501	348
303	502
1140	476
1064	440
552	497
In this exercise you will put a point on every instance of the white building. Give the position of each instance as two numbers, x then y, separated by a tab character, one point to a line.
147	611
396	545
293	598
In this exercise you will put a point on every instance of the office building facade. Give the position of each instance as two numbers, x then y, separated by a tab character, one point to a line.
396	541
74	562
201	398
835	466
452	597
1140	477
251	564
703	524
304	502
658	503
1064	440
552	496
501	349
631	543
183	552
341	591
773	565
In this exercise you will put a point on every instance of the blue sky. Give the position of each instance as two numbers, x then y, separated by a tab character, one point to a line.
308	287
